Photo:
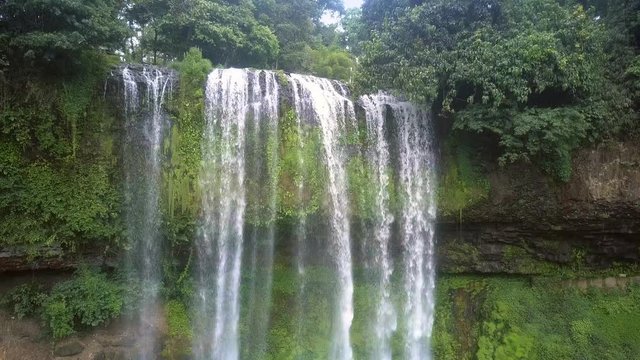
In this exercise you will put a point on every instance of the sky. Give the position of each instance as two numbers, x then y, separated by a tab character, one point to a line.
348	4
331	18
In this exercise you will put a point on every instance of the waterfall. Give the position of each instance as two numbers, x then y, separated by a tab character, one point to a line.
378	156
144	93
410	141
318	100
252	120
235	103
416	178
264	102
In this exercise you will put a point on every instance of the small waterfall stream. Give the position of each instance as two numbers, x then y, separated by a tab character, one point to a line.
221	244
146	123
417	223
240	105
416	173
318	100
378	156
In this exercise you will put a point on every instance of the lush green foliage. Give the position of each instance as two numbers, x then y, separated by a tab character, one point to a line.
56	160
90	299
25	300
226	31
181	195
531	74
330	62
513	319
54	32
282	34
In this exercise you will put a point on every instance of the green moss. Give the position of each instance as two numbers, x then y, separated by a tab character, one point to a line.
179	334
461	255
300	170
181	191
362	195
515	319
262	165
461	184
282	78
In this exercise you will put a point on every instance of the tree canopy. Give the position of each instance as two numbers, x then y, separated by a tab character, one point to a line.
533	74
538	78
45	32
281	34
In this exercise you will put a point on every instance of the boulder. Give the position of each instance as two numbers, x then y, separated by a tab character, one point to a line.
68	348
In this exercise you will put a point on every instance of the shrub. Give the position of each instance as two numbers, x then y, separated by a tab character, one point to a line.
25	300
90	299
58	317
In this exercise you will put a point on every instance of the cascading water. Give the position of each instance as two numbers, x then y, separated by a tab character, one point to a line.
416	178
264	105
318	101
378	157
240	184
235	102
415	164
144	93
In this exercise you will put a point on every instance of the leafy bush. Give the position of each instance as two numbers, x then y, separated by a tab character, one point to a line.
25	299
58	317
534	75
71	27
90	299
57	185
544	136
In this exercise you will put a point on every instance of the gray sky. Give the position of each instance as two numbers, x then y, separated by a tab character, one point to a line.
348	4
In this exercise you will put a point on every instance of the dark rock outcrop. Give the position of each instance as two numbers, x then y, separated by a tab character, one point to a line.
23	258
531	224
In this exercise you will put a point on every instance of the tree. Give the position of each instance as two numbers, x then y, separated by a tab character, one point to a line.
529	73
46	32
297	26
226	31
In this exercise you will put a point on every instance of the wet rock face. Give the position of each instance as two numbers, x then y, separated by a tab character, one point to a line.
530	224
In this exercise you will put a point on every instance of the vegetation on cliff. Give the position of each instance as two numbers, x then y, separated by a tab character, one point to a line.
476	317
511	318
538	78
